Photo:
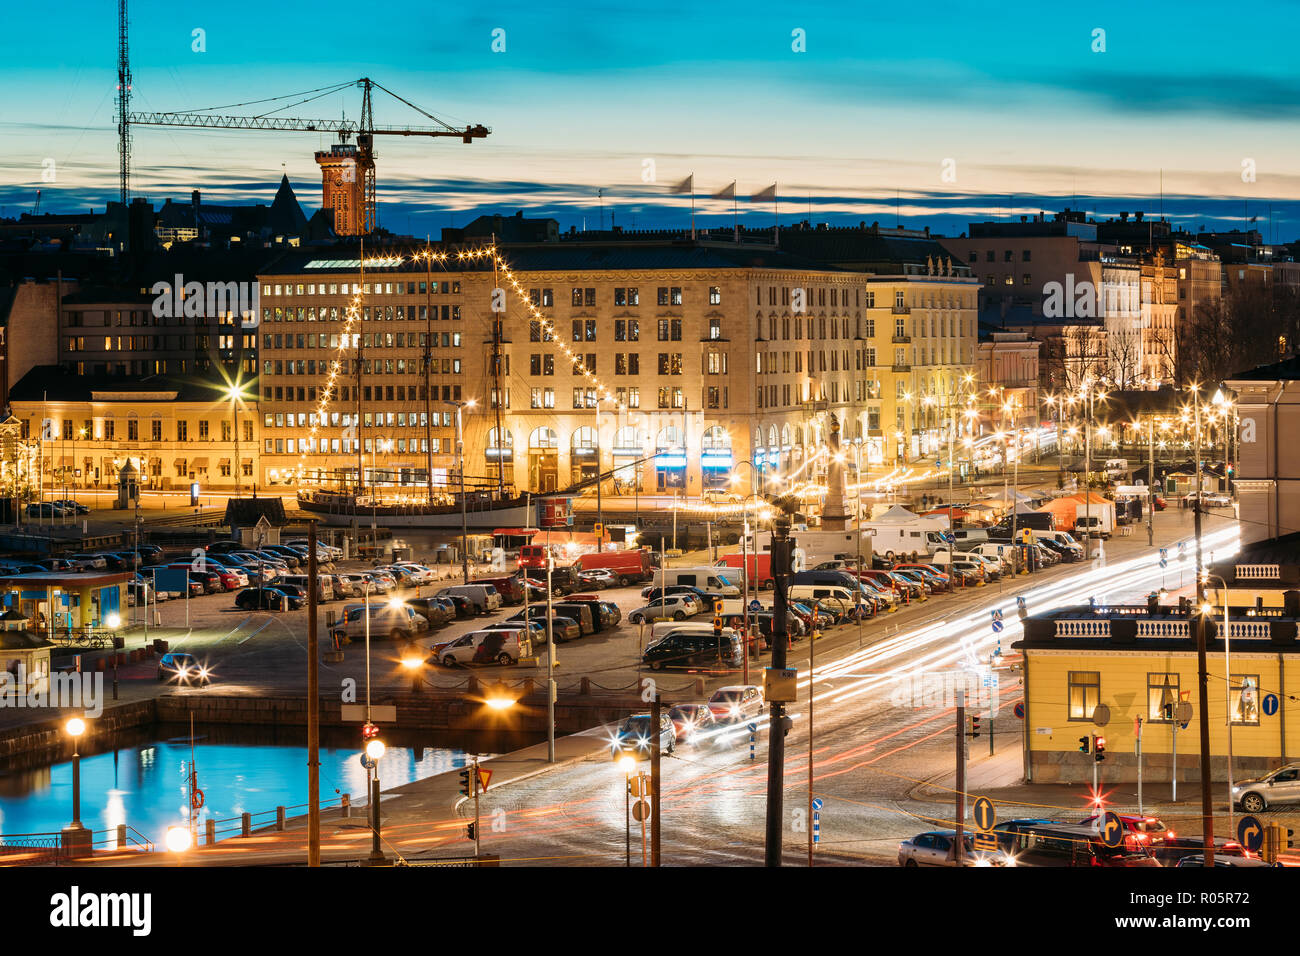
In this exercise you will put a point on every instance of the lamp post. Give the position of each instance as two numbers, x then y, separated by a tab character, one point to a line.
460	465
627	763
374	750
744	556
235	393
1227	669
75	836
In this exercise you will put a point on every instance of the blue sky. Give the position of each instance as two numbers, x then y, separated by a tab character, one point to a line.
857	127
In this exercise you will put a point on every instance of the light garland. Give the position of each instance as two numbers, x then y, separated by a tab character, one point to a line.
353	317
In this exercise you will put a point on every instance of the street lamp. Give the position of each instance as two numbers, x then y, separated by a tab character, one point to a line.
1207	609
374	750
75	836
235	393
460	465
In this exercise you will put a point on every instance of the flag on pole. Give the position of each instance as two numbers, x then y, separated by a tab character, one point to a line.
726	192
768	193
687	185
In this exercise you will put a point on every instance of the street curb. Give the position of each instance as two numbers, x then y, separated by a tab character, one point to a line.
527	776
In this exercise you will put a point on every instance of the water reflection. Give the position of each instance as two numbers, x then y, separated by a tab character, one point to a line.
238	769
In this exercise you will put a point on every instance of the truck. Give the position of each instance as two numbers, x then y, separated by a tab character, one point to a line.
627	566
1096	520
759	569
813	546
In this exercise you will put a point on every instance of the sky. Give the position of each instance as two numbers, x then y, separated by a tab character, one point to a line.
919	115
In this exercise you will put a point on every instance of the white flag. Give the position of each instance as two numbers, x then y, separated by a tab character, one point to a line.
768	193
687	185
727	192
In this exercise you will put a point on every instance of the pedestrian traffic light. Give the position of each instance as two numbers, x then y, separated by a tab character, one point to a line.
1099	749
1085	745
469	832
369	732
974	726
466	776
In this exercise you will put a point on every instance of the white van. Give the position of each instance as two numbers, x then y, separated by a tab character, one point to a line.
399	623
487	647
821	592
324	585
484	597
705	578
997	550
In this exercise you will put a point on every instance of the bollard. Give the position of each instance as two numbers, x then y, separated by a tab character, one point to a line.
699	687
584	686
473	690
121	836
212	831
279	818
246	824
345	805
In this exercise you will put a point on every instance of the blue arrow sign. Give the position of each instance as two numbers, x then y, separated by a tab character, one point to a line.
1112	829
817	803
997	627
753	728
1269	704
1250	833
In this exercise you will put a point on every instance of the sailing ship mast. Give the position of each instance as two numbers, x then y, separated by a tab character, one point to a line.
497	319
428	368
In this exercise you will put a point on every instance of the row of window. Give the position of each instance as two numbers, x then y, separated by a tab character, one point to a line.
155	343
630	296
379	313
1083	695
625	330
668	397
367	288
368	419
162	366
99	318
369	340
67	430
349	446
388	366
801	299
377	393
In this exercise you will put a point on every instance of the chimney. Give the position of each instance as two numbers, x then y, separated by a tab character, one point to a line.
1123	217
1024	219
1137	216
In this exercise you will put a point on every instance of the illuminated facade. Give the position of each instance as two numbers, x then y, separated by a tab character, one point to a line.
713	355
342	185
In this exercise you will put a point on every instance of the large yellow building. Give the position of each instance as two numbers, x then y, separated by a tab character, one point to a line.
1140	667
715	354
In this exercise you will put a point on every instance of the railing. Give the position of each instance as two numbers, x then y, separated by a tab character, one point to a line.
1258	572
81	637
1085	628
23	849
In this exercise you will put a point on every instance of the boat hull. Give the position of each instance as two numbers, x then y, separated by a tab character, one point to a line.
342	513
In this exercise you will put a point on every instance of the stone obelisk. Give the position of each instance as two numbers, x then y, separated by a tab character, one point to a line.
834	515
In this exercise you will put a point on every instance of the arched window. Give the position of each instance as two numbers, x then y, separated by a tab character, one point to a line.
772	440
543	438
669	439
584	437
785	436
627	438
493	443
716	437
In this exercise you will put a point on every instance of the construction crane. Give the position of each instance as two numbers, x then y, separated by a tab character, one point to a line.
365	129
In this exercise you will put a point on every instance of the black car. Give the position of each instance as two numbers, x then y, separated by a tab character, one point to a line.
464	606
1008	830
267	599
693	649
565	628
1068	555
294	592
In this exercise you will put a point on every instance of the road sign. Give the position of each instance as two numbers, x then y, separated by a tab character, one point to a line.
640	810
984	813
754	605
367	762
1019	709
996	614
1269	704
817	803
1112	829
1020	604
1182	550
1250	833
1164	557
752	728
484	775
997	627
985	840
1183	713
640	786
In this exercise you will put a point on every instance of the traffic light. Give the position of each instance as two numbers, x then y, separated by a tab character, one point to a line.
786	724
466	775
1085	745
469	832
369	732
974	726
1099	750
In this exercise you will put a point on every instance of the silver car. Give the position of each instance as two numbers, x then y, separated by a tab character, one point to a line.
1280	786
938	848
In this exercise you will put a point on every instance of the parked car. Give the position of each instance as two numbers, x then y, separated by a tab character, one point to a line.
636	735
1282	786
564	628
691	646
597	578
675	607
267	599
736	703
182	668
484	597
71	507
398	623
436	611
486	647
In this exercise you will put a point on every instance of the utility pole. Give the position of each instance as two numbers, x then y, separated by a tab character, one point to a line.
1151	480
313	704
1207	803
961	775
655	779
776	720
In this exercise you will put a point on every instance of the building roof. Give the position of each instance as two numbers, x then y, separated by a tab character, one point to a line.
1287	370
56	384
246	512
1134	628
